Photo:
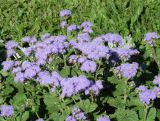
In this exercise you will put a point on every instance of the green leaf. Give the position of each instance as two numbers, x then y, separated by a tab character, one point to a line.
25	116
52	103
151	114
87	106
4	73
116	102
126	115
8	90
65	71
19	99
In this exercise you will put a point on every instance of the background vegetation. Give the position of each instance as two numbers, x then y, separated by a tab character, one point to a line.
19	18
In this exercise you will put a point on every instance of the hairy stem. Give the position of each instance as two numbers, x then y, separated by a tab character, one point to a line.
145	113
125	92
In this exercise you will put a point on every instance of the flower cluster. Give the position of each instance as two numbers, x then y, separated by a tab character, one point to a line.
150	37
147	95
11	46
127	70
76	115
71	86
103	118
6	110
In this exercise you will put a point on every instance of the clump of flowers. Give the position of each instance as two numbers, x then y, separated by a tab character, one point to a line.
127	70
147	95
7	110
103	118
150	37
76	115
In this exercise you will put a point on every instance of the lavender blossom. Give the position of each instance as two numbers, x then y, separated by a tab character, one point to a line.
125	53
157	80
29	39
10	53
127	70
84	37
88	66
150	36
94	88
74	85
113	38
7	65
103	118
78	114
11	44
63	24
73	59
70	118
147	96
19	77
86	24
65	13
7	110
72	28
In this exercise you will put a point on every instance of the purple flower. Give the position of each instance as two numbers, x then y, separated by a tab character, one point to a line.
45	36
70	118
10	53
16	70
127	70
150	36
82	59
124	53
44	77
29	39
147	96
7	65
11	44
72	28
28	51
78	114
113	38
157	80
63	24
53	89
103	118
88	66
142	88
40	119
87	30
86	24
7	110
74	85
94	88
84	37
65	13
73	59
19	77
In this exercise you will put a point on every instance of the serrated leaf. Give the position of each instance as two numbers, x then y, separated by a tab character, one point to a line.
126	115
87	106
52	103
19	99
151	114
25	116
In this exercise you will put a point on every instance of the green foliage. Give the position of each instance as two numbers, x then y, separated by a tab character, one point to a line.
21	18
126	115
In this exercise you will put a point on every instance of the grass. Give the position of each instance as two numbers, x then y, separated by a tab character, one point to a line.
19	18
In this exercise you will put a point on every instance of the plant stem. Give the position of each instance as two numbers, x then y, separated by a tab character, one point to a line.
155	58
125	92
145	112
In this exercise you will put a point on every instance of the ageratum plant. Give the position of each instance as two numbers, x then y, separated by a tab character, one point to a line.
74	77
